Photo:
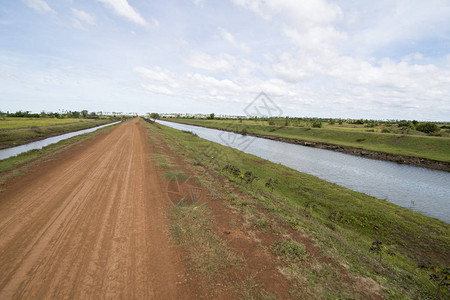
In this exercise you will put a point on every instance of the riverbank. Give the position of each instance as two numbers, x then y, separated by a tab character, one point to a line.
20	131
318	234
397	143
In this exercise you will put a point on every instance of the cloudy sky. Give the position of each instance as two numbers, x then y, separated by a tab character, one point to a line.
380	59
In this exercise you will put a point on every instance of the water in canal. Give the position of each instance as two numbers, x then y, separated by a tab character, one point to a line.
422	190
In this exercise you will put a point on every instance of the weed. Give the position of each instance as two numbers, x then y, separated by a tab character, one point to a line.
250	289
271	184
176	175
441	276
290	250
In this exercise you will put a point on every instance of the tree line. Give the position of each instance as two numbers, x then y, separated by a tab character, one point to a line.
84	114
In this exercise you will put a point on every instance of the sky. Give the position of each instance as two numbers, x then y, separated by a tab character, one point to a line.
312	58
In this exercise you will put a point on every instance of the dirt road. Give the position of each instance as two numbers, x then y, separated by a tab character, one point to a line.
90	225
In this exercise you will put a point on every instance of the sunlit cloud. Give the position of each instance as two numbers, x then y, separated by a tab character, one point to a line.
123	9
39	6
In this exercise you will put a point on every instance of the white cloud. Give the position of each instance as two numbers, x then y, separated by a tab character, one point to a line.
308	23
39	6
158	76
227	36
303	13
203	61
191	85
81	18
123	9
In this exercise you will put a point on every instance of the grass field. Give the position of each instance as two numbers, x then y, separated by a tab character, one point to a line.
342	223
19	131
16	123
430	147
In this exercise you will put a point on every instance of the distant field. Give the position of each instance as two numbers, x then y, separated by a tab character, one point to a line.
420	145
19	131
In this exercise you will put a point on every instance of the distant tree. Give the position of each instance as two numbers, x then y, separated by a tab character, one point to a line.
406	124
317	124
428	127
93	115
154	116
84	114
211	116
286	121
75	114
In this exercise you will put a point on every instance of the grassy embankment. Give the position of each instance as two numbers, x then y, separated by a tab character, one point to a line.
429	147
18	163
19	131
343	224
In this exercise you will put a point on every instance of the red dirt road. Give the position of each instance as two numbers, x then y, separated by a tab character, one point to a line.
90	225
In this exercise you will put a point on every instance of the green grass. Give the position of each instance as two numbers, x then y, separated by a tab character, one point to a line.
430	147
46	152
290	250
16	123
19	131
341	222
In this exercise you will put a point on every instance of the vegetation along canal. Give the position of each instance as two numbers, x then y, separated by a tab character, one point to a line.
13	151
422	190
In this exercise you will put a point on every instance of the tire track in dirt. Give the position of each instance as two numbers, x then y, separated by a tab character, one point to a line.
90	225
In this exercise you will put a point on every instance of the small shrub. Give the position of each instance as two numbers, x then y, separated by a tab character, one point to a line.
271	184
406	124
289	249
317	124
441	276
377	248
428	127
250	177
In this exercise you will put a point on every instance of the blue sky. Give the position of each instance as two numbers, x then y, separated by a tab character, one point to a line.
345	58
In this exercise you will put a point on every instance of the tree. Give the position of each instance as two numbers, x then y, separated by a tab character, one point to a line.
211	116
84	114
154	116
75	114
428	127
317	124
